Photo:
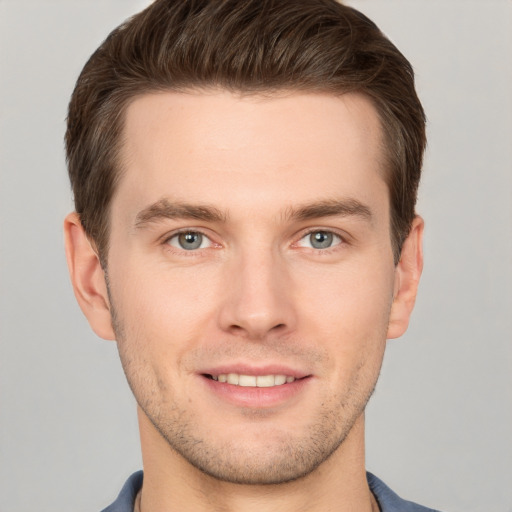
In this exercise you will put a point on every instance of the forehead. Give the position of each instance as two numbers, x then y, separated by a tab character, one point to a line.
195	146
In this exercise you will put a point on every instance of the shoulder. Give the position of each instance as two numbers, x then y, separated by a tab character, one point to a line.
126	498
389	501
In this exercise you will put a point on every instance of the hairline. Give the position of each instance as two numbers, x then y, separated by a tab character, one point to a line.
286	90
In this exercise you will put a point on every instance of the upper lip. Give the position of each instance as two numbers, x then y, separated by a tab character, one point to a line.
256	370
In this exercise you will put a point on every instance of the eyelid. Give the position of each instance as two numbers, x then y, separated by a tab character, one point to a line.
165	239
341	236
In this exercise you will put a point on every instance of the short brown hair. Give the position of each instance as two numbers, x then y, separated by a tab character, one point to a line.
251	46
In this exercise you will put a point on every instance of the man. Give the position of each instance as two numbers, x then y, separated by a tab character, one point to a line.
245	176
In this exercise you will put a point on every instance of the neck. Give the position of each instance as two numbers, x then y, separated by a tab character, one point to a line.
171	483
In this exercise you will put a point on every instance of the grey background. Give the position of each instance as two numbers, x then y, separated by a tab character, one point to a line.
440	423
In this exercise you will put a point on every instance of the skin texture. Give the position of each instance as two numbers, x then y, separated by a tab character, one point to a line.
255	177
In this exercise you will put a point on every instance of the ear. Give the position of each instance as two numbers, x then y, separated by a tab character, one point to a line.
407	277
87	277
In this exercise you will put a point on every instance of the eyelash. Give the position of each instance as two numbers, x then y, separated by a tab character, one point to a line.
195	252
184	252
327	250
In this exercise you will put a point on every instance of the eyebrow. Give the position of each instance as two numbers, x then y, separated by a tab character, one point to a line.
164	209
330	208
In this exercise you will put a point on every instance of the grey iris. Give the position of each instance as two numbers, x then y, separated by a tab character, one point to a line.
321	239
190	240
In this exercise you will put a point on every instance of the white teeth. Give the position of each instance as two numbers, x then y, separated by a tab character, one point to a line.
281	379
247	380
260	381
265	381
233	378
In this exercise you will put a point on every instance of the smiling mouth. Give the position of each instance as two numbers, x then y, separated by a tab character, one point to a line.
256	381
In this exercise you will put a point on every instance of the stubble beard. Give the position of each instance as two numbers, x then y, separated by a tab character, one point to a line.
285	459
274	458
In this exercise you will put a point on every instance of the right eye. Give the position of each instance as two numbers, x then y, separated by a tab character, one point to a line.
189	241
320	239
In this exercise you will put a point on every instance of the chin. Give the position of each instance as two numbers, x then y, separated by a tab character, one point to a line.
257	455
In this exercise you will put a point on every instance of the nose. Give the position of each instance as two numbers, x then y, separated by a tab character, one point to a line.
257	297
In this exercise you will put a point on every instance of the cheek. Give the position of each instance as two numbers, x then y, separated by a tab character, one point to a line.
349	314
356	297
161	310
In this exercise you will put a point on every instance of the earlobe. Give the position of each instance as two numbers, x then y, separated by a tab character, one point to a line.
407	277
87	277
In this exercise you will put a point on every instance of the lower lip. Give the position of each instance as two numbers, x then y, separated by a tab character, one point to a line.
254	397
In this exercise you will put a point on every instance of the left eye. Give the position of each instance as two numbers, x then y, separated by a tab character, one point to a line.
189	241
320	240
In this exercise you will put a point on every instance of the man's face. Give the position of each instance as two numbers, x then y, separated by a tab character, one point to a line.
250	242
